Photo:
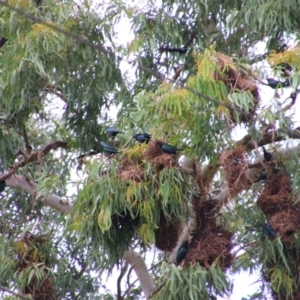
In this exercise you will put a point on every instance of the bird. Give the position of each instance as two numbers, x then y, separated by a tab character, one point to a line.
276	83
180	50
181	253
108	149
166	148
2	185
268	230
112	131
142	137
3	40
262	176
267	155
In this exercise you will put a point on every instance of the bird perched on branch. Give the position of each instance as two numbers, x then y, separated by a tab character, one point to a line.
285	69
112	131
169	149
267	155
182	252
142	137
3	40
108	148
276	83
2	185
268	230
262	176
181	50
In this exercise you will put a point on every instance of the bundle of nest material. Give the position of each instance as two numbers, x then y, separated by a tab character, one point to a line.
278	203
167	234
235	166
132	168
237	80
31	254
210	242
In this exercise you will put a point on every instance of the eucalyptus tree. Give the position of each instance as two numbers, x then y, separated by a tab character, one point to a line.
73	214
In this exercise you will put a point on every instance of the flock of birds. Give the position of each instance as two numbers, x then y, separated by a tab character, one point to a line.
139	137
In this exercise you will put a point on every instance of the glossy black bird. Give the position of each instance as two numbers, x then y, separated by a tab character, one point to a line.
2	185
166	148
112	131
262	176
180	50
267	155
142	137
276	83
268	230
3	40
182	252
108	148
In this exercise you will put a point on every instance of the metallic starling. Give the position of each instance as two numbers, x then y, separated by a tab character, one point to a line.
182	252
268	230
112	131
108	149
142	137
166	148
267	155
2	185
262	176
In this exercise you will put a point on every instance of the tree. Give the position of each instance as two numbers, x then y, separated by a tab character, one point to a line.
72	213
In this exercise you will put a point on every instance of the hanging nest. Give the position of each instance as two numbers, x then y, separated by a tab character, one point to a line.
237	80
32	254
286	223
210	242
212	245
235	166
166	236
276	195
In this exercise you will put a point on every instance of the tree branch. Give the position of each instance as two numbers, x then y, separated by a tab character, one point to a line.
34	156
141	271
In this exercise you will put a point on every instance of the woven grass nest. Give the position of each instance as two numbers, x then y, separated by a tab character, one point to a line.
235	166
237	80
276	195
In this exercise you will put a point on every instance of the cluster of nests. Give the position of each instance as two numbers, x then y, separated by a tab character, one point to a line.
131	168
30	255
237	80
276	200
278	203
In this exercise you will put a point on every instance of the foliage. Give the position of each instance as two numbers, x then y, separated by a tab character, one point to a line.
62	74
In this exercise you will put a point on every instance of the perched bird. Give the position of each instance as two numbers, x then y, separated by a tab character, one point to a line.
166	148
180	50
182	252
276	83
268	230
2	185
267	155
262	176
3	40
108	149
112	131
142	137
